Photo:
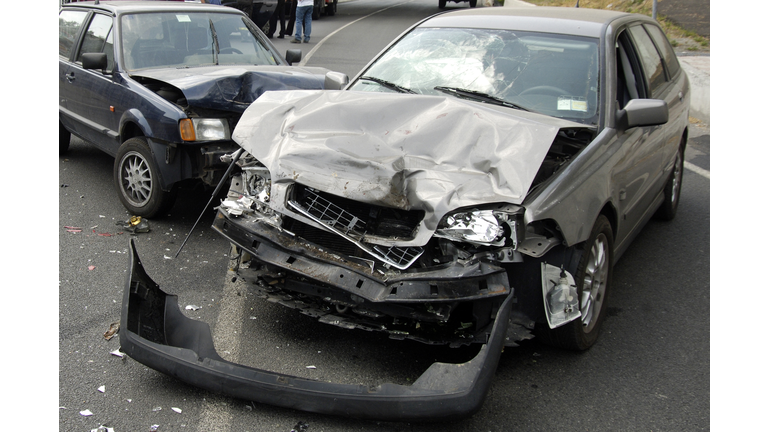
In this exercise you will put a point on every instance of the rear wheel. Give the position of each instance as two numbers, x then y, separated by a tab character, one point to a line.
138	181
472	3
64	138
330	10
593	277
668	208
441	3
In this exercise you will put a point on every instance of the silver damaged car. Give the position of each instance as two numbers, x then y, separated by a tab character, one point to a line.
474	184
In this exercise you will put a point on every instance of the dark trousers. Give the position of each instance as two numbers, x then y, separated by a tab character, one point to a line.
278	14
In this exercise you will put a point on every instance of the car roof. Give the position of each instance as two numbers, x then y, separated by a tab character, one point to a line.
120	7
559	20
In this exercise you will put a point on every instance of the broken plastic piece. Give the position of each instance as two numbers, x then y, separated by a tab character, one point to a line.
193	307
135	225
153	428
560	295
300	427
117	353
86	413
178	410
102	389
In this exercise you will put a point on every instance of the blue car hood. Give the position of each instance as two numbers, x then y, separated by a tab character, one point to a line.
235	88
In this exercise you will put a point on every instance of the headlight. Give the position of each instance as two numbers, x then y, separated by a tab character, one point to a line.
201	129
481	227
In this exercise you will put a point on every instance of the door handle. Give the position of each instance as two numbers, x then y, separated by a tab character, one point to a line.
70	76
680	95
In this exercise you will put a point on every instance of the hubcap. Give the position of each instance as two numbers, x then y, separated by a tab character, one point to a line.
595	278
135	179
677	177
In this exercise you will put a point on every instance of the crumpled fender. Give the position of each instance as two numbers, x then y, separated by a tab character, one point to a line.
157	333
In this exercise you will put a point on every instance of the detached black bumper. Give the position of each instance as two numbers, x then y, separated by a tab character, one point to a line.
156	333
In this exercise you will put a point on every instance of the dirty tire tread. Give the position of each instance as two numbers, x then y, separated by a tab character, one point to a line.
64	139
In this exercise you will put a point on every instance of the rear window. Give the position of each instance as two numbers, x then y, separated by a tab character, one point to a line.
670	59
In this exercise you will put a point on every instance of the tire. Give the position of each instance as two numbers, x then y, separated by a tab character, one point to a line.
472	3
441	4
593	278
330	10
672	189
316	12
137	180
64	139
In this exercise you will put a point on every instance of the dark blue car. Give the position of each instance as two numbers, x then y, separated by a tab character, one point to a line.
160	86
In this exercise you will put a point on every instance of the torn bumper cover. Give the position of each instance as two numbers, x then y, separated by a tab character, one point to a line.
157	334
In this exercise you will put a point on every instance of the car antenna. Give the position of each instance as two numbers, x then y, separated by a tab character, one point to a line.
235	157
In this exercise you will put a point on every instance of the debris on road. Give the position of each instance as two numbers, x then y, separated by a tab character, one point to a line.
300	427
193	307
117	353
86	413
72	229
135	225
103	428
176	410
102	389
112	331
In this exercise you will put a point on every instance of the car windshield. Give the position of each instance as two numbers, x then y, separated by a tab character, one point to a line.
189	39
546	73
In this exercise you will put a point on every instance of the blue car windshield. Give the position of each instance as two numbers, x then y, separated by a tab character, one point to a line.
189	39
551	74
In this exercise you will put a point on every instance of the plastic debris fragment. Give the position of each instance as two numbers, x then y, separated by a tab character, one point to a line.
300	427
135	225
153	428
103	428
311	367
112	331
156	409
177	410
91	267
86	413
117	353
193	307
102	389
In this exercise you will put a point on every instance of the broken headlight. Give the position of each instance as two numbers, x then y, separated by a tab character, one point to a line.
204	129
483	227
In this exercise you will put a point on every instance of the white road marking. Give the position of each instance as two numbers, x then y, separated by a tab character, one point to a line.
304	61
700	171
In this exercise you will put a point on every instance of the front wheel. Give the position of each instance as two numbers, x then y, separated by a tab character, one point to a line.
138	181
441	4
593	277
472	3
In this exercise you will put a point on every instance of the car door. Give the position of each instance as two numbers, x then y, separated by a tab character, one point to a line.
638	173
70	24
93	93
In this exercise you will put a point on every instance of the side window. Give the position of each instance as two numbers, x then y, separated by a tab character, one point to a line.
98	39
69	25
650	58
670	59
630	82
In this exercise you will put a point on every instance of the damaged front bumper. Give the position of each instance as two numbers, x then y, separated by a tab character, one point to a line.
157	334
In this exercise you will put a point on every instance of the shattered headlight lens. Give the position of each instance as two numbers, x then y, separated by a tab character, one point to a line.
204	129
481	227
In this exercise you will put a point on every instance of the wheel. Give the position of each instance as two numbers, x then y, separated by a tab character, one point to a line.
593	277
555	91
441	3
316	11
230	50
472	3
64	138
668	208
137	180
330	10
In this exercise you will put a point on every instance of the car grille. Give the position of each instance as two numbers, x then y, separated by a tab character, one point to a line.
352	221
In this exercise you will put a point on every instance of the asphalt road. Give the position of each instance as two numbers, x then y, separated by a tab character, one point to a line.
649	371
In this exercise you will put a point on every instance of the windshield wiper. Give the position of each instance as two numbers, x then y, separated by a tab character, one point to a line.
215	43
478	96
389	85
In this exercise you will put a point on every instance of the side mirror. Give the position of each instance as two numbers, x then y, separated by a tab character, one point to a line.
643	112
335	81
94	61
293	56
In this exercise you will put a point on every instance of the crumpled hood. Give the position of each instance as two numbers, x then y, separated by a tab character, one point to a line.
235	88
405	151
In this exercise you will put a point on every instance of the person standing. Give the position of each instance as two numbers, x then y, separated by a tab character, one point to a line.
303	20
278	14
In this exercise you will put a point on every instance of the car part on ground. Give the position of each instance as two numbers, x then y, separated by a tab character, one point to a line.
481	176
